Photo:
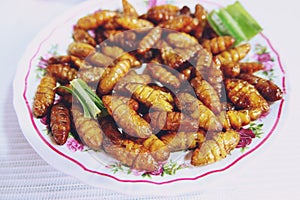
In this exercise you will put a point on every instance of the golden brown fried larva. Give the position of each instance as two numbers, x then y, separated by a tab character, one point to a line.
236	119
234	55
201	16
244	95
231	69
157	148
187	74
165	92
127	118
269	90
44	96
181	40
149	40
177	23
124	39
216	148
112	75
112	51
250	67
210	69
62	73
158	14
91	75
133	104
133	23
218	44
171	121
88	129
129	10
191	106
99	59
80	35
60	123
80	50
124	150
134	62
162	74
92	21
148	96
178	141
132	77
207	94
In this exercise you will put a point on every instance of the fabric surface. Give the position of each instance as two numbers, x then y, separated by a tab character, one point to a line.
271	172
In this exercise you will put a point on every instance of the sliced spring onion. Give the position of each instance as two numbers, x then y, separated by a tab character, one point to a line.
234	20
92	105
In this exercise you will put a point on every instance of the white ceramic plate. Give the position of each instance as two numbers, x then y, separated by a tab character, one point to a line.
96	168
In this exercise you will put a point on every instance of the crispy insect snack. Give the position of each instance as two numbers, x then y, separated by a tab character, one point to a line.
127	118
88	129
269	90
126	151
171	121
44	96
150	97
235	54
178	141
62	73
112	75
216	148
218	44
60	123
148	84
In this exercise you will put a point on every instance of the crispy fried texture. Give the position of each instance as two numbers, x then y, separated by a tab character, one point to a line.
236	119
129	10
126	151
112	75
215	148
161	13
127	118
231	69
88	129
171	121
207	94
148	96
162	74
124	39
99	59
62	73
244	95
44	96
80	35
235	54
132	23
132	77
60	123
181	40
269	90
112	51
158	149
91	75
210	69
177	23
201	16
149	40
250	67
193	107
94	20
218	44
80	50
178	141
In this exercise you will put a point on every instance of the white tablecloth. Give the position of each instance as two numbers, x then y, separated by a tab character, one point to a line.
271	172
